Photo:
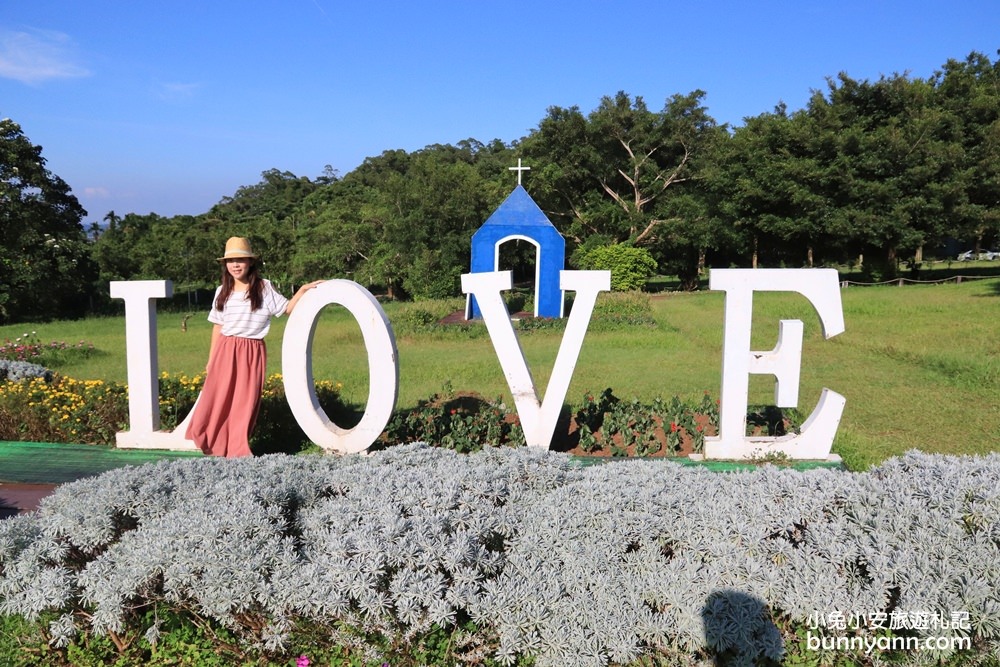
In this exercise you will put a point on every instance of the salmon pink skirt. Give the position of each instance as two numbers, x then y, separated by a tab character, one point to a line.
227	410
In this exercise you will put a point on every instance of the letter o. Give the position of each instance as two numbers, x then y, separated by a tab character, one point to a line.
383	366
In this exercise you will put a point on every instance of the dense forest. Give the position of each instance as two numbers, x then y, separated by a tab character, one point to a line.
877	174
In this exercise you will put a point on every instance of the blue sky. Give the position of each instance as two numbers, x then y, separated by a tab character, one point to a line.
167	107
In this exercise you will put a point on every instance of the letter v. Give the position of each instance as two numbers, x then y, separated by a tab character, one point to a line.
538	418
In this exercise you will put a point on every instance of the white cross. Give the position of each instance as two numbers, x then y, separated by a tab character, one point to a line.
518	169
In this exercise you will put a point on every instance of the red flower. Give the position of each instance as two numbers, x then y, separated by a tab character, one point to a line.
673	427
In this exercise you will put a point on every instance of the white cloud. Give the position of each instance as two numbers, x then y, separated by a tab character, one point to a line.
37	56
96	193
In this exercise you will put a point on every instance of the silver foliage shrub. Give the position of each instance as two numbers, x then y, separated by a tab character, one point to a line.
16	371
571	565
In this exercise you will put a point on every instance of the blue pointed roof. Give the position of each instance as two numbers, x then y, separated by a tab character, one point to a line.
518	209
519	217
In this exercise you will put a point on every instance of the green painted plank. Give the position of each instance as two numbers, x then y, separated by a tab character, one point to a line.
713	465
54	463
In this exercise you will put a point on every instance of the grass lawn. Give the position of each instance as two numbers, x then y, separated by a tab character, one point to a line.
919	365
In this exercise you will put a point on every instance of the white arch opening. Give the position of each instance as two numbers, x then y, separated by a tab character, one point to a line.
538	262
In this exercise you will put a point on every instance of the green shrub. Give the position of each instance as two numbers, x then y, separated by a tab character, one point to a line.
606	423
622	310
630	267
425	316
461	422
612	311
432	277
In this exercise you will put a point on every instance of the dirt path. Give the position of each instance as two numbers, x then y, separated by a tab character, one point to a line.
18	498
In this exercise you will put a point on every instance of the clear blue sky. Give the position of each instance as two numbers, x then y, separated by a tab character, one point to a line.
167	107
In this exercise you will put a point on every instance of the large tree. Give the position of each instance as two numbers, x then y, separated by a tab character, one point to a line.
626	174
768	188
403	220
45	266
890	168
969	92
608	173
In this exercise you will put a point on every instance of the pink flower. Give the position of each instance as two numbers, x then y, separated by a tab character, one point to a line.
303	661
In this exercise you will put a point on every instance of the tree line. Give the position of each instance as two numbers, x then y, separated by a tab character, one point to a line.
877	174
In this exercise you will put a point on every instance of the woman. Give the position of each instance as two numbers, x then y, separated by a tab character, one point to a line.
242	309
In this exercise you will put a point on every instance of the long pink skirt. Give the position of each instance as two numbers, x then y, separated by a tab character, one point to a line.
230	399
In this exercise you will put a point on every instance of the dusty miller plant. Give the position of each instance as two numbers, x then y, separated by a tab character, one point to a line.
15	371
570	565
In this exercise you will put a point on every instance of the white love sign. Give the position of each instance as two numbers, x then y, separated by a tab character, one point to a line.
538	417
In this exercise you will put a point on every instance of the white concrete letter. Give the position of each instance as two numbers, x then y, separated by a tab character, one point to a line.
140	353
383	366
538	418
822	288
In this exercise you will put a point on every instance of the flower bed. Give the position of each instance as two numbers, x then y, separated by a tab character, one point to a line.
49	407
28	347
417	555
39	405
56	408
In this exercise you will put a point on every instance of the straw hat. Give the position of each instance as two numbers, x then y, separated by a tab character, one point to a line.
237	247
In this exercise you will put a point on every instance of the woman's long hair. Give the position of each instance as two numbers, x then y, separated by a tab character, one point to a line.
255	291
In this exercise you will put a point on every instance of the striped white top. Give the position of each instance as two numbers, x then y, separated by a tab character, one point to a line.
238	320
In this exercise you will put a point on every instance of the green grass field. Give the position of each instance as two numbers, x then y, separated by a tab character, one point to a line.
919	365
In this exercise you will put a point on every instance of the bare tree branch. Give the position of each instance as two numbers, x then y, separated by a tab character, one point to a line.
646	236
578	215
639	200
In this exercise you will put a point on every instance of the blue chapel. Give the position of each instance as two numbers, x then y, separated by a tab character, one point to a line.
519	218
